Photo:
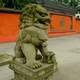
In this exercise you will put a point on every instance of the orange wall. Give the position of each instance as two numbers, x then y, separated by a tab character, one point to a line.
63	25
8	26
60	23
76	25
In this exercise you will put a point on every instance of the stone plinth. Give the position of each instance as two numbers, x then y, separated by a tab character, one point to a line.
23	72
5	59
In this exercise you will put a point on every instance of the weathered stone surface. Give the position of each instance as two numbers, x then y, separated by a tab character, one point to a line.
5	59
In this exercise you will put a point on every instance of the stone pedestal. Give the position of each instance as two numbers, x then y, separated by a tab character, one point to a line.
23	72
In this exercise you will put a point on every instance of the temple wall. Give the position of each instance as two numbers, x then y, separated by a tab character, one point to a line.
60	25
9	22
63	25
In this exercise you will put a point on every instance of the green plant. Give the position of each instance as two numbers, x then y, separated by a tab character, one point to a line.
1	3
73	3
20	3
17	4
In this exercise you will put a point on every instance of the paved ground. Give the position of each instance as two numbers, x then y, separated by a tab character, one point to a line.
67	50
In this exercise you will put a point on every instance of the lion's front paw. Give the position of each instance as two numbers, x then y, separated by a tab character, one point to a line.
34	65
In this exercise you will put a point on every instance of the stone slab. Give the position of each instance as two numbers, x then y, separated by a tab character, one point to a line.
5	59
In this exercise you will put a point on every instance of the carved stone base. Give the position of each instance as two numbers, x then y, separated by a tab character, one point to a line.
23	72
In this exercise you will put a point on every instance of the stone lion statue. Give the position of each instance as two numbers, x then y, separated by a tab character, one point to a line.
33	37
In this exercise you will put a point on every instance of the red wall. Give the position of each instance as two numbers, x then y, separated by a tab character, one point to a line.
76	25
8	26
60	25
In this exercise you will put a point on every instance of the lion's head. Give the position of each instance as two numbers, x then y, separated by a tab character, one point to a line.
34	14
